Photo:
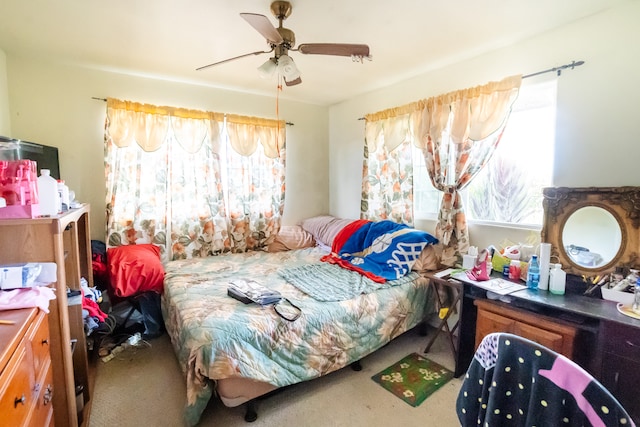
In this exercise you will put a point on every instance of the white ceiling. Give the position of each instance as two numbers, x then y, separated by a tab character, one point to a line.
169	39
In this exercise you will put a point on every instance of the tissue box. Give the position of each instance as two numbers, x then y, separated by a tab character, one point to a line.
27	275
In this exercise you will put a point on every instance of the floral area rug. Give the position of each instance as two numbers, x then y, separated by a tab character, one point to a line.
413	378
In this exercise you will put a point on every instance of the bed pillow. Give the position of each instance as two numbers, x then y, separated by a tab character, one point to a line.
291	237
429	259
134	269
324	228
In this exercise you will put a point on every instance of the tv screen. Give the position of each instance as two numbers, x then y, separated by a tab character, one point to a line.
46	157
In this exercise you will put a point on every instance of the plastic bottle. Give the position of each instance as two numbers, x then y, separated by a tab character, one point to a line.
63	193
48	194
505	271
557	280
514	270
533	273
636	297
544	261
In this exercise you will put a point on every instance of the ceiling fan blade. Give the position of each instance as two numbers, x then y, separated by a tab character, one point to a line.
234	58
293	82
262	24
337	49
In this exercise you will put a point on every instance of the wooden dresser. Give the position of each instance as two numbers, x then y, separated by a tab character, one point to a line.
26	380
591	331
64	240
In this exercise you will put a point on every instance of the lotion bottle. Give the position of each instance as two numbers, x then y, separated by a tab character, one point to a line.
557	280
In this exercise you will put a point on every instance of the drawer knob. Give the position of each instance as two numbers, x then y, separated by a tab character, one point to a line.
48	394
631	344
45	341
18	401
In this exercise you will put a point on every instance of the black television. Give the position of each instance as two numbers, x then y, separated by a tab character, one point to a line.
46	157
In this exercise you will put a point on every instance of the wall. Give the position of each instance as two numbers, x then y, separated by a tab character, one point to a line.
52	104
5	124
596	131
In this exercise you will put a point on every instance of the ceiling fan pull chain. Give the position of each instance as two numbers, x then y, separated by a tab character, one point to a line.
278	89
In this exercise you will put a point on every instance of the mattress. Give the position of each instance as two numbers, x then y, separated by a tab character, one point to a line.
217	338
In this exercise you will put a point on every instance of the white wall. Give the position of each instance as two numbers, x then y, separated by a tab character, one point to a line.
51	104
5	124
597	134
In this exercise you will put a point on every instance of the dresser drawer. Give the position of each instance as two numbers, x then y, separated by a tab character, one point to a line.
17	380
499	317
43	394
622	340
39	340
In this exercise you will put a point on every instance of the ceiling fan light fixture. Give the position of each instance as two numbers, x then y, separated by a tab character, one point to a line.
288	68
267	69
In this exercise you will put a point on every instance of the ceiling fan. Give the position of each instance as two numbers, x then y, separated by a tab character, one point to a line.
282	40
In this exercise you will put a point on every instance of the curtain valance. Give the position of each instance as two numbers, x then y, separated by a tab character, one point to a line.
148	125
477	113
393	123
184	113
245	133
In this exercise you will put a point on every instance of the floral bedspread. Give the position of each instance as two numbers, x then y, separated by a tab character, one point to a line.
216	336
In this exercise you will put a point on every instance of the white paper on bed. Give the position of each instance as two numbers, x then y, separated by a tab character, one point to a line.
497	285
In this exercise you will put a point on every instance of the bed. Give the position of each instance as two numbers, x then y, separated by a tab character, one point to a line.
241	351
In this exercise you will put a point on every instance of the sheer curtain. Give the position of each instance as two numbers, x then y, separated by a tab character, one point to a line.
165	180
255	180
387	175
458	133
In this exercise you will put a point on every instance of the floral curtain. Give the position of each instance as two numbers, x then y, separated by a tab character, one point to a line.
387	175
458	133
165	173
255	179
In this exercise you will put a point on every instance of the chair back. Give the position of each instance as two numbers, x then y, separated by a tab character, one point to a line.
513	381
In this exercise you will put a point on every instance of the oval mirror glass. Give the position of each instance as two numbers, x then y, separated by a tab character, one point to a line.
591	237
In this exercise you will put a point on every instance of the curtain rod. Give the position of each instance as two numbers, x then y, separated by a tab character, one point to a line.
105	100
558	70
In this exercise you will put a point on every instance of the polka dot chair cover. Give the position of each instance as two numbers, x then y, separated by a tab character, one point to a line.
513	381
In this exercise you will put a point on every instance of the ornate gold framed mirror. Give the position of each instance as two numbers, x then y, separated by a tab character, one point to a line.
592	230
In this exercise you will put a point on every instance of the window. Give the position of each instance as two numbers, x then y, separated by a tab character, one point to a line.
509	189
165	168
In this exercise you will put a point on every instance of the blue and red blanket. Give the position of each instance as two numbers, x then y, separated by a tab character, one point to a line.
379	250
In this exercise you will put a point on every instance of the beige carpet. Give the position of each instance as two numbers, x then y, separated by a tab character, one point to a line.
145	387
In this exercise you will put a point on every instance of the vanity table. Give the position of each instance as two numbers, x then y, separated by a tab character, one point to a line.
592	231
589	331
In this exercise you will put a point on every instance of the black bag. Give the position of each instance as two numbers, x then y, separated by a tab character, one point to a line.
139	313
